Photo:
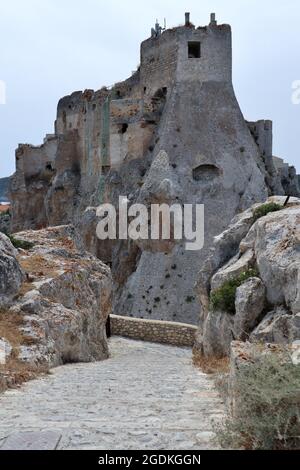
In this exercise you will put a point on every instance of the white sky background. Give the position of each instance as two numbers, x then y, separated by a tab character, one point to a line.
50	48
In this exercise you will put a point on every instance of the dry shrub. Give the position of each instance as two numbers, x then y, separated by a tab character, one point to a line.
267	407
38	266
211	365
15	372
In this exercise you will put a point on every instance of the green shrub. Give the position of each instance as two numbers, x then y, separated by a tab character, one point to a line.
267	407
20	243
265	209
223	298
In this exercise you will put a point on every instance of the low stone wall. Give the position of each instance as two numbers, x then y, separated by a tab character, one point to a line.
155	331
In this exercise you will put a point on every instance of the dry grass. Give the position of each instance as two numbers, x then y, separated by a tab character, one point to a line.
211	365
67	243
14	371
26	287
10	324
38	266
17	372
4	208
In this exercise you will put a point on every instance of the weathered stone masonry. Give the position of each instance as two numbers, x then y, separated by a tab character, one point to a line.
175	334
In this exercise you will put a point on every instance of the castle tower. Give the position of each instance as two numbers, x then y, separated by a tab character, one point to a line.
206	155
187	54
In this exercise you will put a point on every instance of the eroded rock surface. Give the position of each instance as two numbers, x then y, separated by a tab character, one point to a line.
267	306
65	299
11	274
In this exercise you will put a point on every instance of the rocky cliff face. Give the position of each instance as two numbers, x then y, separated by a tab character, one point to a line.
55	296
267	302
4	188
198	160
171	133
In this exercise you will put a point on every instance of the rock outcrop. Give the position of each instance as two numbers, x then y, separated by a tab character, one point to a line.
4	189
4	221
62	305
11	274
267	306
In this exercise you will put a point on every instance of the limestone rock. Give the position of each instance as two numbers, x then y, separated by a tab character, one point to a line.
270	245
278	256
5	350
65	300
11	275
217	334
278	326
233	268
249	304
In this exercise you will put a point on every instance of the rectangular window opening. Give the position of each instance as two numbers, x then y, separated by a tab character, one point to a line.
194	50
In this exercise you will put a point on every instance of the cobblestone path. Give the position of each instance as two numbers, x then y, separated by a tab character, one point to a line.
146	396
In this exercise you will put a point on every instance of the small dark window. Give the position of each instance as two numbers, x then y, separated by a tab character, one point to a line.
194	50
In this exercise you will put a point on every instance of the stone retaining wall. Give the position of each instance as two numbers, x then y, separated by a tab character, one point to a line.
176	334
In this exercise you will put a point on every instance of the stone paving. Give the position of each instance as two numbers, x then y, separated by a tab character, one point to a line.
146	396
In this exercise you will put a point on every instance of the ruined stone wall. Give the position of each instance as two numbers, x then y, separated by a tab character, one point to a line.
130	137
262	132
33	161
215	62
158	63
289	179
83	112
176	334
35	168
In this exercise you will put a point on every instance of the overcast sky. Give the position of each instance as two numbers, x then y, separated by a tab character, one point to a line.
50	48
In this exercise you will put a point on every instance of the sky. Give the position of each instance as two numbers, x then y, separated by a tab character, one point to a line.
50	48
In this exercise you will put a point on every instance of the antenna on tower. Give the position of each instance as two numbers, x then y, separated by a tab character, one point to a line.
165	24
157	30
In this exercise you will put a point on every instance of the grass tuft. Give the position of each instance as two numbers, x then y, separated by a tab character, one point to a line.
223	298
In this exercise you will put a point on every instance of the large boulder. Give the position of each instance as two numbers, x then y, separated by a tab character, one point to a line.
278	326
217	334
63	305
276	244
249	304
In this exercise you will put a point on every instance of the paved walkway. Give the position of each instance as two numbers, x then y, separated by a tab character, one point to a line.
146	396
